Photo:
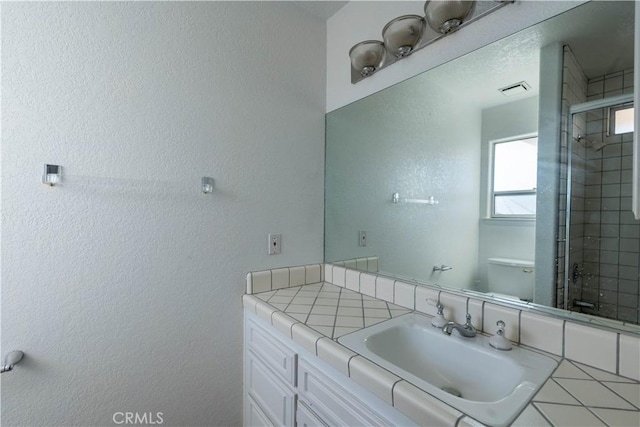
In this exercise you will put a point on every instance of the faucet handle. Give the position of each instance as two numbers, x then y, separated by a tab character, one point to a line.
438	321
469	319
499	341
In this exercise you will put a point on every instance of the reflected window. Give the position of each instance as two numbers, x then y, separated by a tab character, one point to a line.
514	178
622	119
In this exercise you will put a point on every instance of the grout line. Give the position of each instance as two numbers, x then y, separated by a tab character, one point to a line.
375	287
359	278
415	297
618	354
564	332
392	387
596	415
519	326
570	394
393	293
542	414
592	378
349	365
271	280
291	329
603	383
315	345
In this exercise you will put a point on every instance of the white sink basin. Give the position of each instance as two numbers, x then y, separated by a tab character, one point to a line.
489	385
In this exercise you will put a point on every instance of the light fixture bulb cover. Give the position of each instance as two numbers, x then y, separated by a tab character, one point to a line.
402	34
367	56
445	16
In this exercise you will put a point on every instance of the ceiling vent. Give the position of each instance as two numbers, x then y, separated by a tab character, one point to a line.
515	89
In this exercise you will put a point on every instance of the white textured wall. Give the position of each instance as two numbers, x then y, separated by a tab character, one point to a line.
364	20
398	141
124	292
504	238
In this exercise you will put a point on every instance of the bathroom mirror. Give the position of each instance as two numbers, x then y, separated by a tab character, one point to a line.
434	179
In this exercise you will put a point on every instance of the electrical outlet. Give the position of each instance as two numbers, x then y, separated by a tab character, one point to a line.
362	238
274	244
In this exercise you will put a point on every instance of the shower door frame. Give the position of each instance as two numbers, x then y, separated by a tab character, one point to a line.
573	110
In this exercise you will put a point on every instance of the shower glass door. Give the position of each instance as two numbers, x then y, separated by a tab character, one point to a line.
602	252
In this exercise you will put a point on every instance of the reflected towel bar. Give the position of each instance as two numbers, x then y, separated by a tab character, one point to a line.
395	198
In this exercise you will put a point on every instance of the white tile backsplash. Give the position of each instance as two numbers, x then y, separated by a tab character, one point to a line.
261	281
426	300
475	308
542	332
313	273
630	357
339	276
404	295
455	307
280	278
368	284
594	347
353	280
297	276
384	289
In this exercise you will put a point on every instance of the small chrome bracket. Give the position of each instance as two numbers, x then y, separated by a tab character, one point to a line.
52	175
207	184
11	359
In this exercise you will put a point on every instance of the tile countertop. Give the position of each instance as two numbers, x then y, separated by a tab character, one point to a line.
316	315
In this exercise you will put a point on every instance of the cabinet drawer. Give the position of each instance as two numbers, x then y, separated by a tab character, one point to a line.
306	418
274	353
274	398
254	417
332	402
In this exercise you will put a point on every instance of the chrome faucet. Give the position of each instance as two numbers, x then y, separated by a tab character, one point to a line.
467	330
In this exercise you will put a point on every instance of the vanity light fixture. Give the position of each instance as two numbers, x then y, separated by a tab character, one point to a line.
401	35
406	34
207	185
445	16
366	57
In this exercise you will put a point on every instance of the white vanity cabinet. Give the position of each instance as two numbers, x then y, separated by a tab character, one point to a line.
333	404
269	378
285	385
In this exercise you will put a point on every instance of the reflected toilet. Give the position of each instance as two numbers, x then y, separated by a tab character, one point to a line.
510	278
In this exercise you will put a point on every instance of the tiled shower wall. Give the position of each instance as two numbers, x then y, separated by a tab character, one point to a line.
611	243
604	237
